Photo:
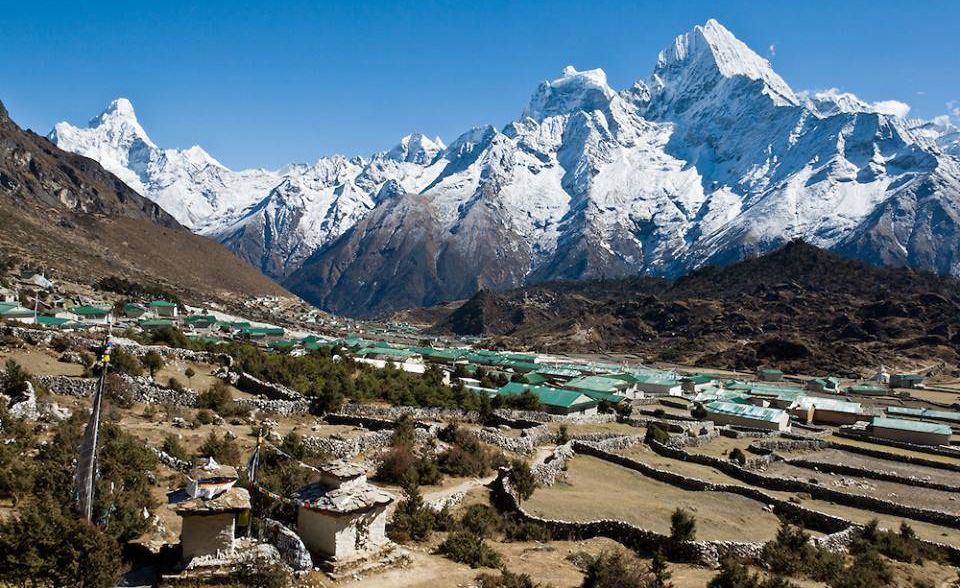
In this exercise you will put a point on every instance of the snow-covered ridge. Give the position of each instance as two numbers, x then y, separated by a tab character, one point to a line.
711	157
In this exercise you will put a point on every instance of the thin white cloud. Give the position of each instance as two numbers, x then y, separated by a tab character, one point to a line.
773	50
953	108
892	107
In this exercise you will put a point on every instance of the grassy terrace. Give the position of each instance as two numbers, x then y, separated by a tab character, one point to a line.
924	530
597	489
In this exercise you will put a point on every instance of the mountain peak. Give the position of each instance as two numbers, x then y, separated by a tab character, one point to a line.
417	148
710	50
573	90
119	109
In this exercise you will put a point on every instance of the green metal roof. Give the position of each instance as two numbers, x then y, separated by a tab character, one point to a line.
388	351
549	396
133	306
283	344
262	330
196	318
534	378
943	415
91	310
162	304
748	411
833	404
761	389
155	323
16	311
51	321
595	384
908	425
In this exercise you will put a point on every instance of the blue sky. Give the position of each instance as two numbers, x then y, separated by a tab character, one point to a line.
268	83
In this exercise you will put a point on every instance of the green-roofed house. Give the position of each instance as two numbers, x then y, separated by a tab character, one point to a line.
262	335
402	359
653	382
534	378
134	310
777	396
283	344
769	375
867	389
163	308
12	311
747	415
93	314
694	383
200	321
554	400
830	385
828	411
155	324
606	386
919	432
906	380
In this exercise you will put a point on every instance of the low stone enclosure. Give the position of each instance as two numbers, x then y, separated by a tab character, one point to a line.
836	529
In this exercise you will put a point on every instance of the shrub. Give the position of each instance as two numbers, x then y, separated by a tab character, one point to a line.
520	530
60	344
521	479
223	449
481	520
189	373
563	435
506	579
616	569
412	520
683	526
175	384
468	457
14	378
45	546
216	398
867	570
903	546
526	400
656	432
153	361
467	548
738	456
792	554
124	362
172	446
255	571
204	417
698	411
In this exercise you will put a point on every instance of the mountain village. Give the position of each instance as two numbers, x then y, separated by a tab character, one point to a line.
825	453
702	330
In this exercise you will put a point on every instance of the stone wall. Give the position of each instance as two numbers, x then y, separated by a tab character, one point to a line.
871	503
278	407
252	385
887	476
931	449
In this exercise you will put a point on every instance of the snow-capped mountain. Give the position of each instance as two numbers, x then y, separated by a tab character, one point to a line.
711	158
272	219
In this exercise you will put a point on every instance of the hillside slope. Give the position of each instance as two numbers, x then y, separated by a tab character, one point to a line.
799	307
66	213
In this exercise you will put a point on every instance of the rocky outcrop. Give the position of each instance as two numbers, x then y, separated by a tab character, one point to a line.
291	548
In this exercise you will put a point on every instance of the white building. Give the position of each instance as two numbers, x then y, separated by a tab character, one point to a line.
747	415
210	507
342	517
